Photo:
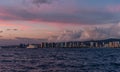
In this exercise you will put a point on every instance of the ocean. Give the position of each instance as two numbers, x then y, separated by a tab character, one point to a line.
60	60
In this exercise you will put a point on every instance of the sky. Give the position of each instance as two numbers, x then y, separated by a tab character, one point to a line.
35	21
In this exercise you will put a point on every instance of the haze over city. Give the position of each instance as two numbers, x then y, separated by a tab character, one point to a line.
35	21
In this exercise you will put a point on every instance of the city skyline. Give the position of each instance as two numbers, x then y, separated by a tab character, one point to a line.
35	21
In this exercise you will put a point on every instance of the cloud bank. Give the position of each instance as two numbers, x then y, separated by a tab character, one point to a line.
54	13
91	33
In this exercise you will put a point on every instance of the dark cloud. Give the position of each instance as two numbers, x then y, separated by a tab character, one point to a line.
15	29
12	29
78	17
37	2
41	1
1	31
1	36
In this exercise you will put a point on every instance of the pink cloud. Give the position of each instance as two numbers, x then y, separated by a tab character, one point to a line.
10	25
56	14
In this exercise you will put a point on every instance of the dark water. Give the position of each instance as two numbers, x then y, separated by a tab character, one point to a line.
60	60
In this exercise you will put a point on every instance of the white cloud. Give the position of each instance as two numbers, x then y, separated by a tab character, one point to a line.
91	33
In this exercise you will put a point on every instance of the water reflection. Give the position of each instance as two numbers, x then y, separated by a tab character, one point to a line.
60	60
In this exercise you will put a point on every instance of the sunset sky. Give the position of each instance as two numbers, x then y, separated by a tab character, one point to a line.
35	21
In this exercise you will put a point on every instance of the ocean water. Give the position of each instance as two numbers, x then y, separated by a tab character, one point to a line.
60	60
